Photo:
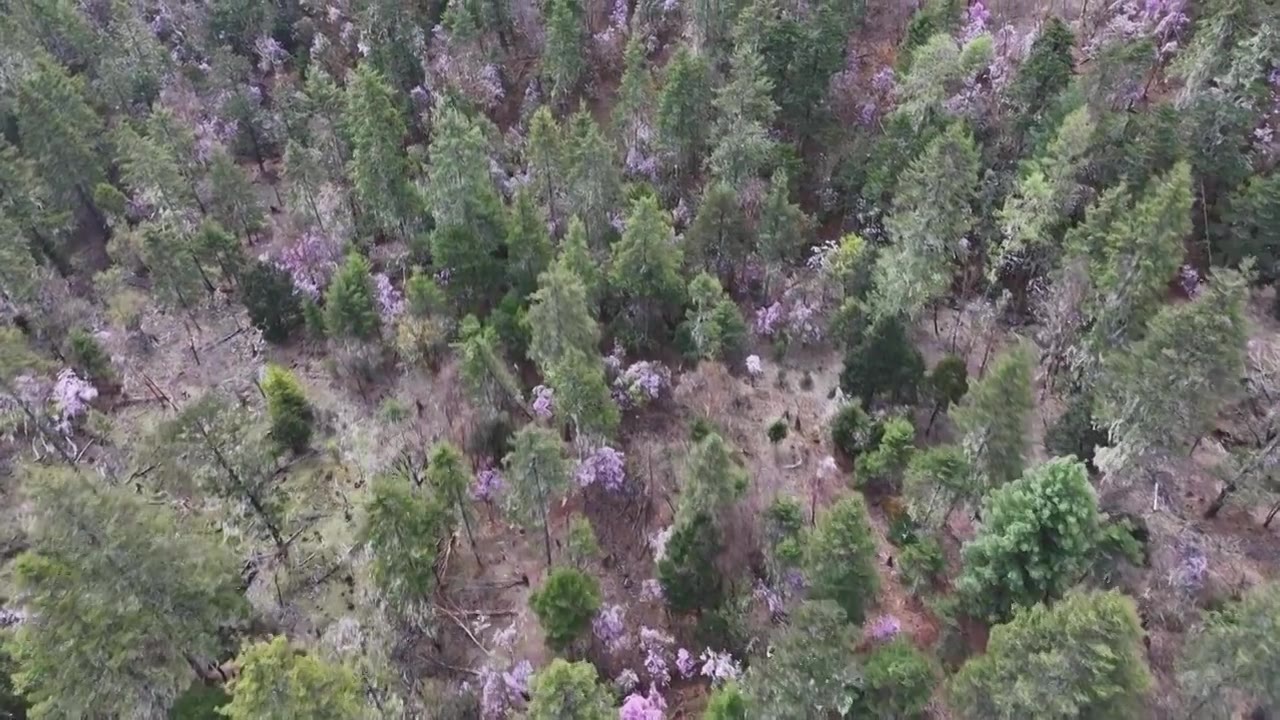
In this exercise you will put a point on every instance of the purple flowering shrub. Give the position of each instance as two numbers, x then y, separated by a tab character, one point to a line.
488	483
390	300
311	261
644	707
70	398
641	383
794	317
719	667
605	467
656	646
610	628
543	406
884	628
502	692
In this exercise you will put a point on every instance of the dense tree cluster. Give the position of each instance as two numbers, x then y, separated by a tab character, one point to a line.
314	318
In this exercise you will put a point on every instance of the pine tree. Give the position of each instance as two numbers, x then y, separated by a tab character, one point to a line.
812	671
470	220
239	23
687	571
1044	197
58	132
233	200
994	416
349	310
576	256
58	28
744	115
272	301
930	220
806	54
713	478
545	156
684	111
537	472
447	474
133	62
32	224
1142	251
276	682
582	393
218	251
636	95
713	323
569	691
177	141
1165	391
151	172
402	528
937	480
782	226
218	446
899	681
1037	539
305	177
646	267
592	182
110	575
562	62
1252	218
1042	76
287	406
717	240
841	557
565	604
1234	651
528	244
883	366
169	254
485	374
379	167
560	319
1080	657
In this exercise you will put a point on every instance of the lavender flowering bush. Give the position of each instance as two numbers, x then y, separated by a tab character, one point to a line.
70	398
543	402
488	484
503	691
641	383
605	467
644	707
883	628
311	261
609	628
657	652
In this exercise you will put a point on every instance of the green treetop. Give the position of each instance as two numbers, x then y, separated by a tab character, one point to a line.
119	595
1080	657
1037	539
278	682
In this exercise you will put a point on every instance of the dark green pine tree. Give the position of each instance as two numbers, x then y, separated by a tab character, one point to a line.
59	132
109	574
684	111
562	61
717	240
379	166
349	309
36	223
646	269
233	199
592	181
529	248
